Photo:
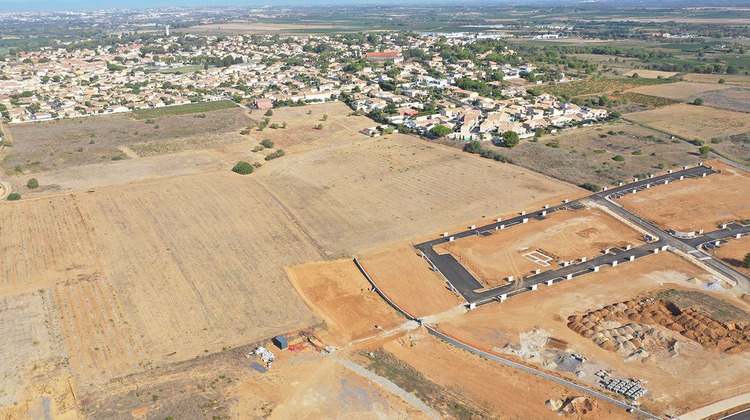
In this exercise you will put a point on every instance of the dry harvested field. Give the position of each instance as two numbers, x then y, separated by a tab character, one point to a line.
534	326
650	74
45	146
681	90
99	175
409	282
540	244
159	273
735	99
694	204
300	135
363	193
733	253
693	122
585	154
732	79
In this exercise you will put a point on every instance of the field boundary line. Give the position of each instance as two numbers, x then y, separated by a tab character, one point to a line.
294	219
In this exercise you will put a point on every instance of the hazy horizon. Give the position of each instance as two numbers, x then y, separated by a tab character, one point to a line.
11	6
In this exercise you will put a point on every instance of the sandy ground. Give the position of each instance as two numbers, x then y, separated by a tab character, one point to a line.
364	193
679	90
713	378
566	236
339	293
693	122
495	388
733	253
300	384
694	204
403	275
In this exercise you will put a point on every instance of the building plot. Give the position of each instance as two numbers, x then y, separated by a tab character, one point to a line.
564	236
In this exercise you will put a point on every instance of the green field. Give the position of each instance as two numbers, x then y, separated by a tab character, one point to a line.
143	114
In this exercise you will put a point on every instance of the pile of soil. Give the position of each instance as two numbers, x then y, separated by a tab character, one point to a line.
628	327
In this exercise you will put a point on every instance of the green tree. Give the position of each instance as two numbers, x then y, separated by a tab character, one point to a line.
267	143
33	183
440	131
511	139
704	150
14	196
619	158
243	168
268	113
698	101
745	261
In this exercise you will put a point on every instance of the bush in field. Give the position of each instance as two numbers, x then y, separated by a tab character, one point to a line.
267	143
698	101
33	183
14	196
591	187
619	158
746	260
268	113
243	168
704	150
277	154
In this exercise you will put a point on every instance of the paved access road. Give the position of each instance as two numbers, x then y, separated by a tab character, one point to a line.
470	288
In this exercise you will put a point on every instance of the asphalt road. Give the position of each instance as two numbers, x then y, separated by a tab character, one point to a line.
467	285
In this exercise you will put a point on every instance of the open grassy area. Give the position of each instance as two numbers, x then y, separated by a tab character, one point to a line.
586	154
143	114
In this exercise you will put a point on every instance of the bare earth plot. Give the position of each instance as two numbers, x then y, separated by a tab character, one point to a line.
534	327
409	281
733	253
693	122
518	251
694	204
486	388
337	292
680	90
44	146
369	192
585	154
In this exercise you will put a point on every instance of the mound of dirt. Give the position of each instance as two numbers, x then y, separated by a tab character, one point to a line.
554	405
629	328
579	406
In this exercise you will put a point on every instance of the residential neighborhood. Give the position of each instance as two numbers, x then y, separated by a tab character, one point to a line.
399	80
